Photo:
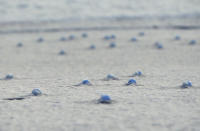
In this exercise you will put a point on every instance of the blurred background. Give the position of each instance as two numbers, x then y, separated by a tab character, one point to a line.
74	10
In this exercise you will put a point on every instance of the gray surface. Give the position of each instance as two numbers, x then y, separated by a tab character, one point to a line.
158	105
